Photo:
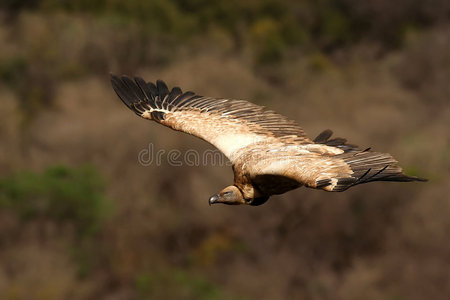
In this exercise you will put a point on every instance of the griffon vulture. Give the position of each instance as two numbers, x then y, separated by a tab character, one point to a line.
270	154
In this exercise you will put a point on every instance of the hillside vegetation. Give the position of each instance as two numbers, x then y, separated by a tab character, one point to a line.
81	218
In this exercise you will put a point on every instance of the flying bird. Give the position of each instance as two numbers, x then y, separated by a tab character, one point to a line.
270	154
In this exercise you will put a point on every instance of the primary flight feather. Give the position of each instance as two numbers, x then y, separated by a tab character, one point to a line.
270	153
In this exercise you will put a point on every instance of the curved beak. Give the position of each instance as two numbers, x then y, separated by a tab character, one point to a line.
213	199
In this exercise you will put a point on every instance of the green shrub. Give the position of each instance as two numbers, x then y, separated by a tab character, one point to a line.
330	24
269	45
12	69
60	193
177	284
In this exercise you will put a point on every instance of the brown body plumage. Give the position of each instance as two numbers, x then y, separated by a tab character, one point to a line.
270	154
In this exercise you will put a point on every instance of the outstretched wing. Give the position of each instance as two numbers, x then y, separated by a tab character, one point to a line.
229	125
328	164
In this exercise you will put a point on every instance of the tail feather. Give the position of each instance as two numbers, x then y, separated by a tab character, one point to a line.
365	165
371	166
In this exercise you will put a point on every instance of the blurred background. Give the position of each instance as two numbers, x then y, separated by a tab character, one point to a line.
80	218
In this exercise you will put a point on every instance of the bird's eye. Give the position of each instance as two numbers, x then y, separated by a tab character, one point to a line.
227	193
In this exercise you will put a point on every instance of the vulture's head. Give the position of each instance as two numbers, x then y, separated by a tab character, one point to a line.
230	195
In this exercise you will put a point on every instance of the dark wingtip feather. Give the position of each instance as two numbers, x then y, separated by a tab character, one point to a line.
123	90
406	178
341	143
163	90
336	142
175	92
139	95
153	89
323	136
